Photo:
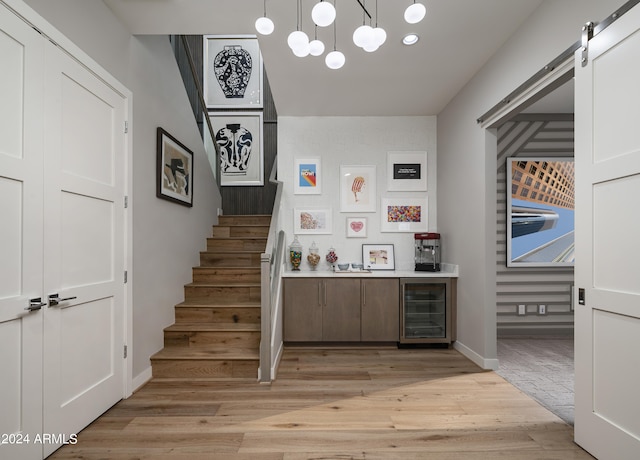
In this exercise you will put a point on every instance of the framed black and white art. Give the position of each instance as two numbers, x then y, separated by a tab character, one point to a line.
239	139
174	169
232	72
406	171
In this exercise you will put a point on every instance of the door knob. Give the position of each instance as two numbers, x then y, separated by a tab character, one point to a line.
35	304
54	299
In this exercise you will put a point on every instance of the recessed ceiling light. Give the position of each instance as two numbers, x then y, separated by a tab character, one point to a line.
410	39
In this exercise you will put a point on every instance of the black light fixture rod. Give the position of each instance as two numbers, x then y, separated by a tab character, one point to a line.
364	8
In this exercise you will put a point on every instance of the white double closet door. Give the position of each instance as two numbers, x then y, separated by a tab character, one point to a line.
62	182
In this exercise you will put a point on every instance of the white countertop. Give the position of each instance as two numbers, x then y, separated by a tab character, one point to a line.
446	271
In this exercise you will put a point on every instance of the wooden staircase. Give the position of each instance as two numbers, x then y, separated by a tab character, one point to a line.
217	330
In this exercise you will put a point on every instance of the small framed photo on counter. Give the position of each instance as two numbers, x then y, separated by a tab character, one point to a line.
378	257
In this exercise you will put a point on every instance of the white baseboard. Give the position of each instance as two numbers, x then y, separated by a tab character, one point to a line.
488	364
142	378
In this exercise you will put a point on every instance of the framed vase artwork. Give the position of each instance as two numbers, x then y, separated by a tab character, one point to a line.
174	169
356	227
232	72
407	171
312	220
404	214
358	188
239	139
307	177
378	257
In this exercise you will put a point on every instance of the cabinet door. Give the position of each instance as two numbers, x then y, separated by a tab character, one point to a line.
303	310
341	314
380	310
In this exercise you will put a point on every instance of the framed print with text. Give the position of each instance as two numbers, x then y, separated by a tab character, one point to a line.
307	175
358	188
356	227
407	171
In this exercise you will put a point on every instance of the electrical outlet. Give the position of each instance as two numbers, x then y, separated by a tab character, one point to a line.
522	310
542	309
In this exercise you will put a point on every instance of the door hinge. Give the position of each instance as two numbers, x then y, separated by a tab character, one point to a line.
125	352
126	202
126	127
126	276
587	34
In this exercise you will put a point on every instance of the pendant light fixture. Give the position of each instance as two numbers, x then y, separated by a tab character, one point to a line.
316	47
298	41
415	13
323	13
380	35
264	25
335	59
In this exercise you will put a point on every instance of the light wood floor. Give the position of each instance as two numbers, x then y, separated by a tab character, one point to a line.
386	404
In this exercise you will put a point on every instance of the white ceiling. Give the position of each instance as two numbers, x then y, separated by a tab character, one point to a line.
457	37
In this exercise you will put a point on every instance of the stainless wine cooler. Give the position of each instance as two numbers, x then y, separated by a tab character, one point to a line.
428	310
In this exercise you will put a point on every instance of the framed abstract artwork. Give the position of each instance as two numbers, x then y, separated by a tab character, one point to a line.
404	214
232	72
307	177
312	220
358	188
174	169
239	139
540	212
378	257
407	171
356	227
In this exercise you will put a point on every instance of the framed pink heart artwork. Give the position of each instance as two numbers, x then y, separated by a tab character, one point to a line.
356	227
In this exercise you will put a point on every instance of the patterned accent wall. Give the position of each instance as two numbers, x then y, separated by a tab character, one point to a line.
525	136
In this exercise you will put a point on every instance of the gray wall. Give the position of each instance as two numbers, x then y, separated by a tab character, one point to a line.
543	136
167	237
467	174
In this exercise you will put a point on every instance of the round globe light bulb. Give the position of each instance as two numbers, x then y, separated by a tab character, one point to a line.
297	39
370	47
334	60
316	47
302	51
264	25
323	14
363	36
415	13
380	36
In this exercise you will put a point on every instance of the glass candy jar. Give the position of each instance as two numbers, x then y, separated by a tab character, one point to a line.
295	254
313	258
332	257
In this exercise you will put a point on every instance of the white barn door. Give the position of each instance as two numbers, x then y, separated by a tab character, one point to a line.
83	245
607	272
21	229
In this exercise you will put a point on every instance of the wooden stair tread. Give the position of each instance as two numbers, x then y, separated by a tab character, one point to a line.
205	354
209	302
220	251
213	327
224	284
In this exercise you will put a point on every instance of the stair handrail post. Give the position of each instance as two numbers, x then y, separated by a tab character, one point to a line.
270	279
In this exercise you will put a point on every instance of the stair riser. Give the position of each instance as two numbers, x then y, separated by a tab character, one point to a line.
224	293
238	340
250	244
215	259
240	232
195	368
226	275
244	220
218	315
